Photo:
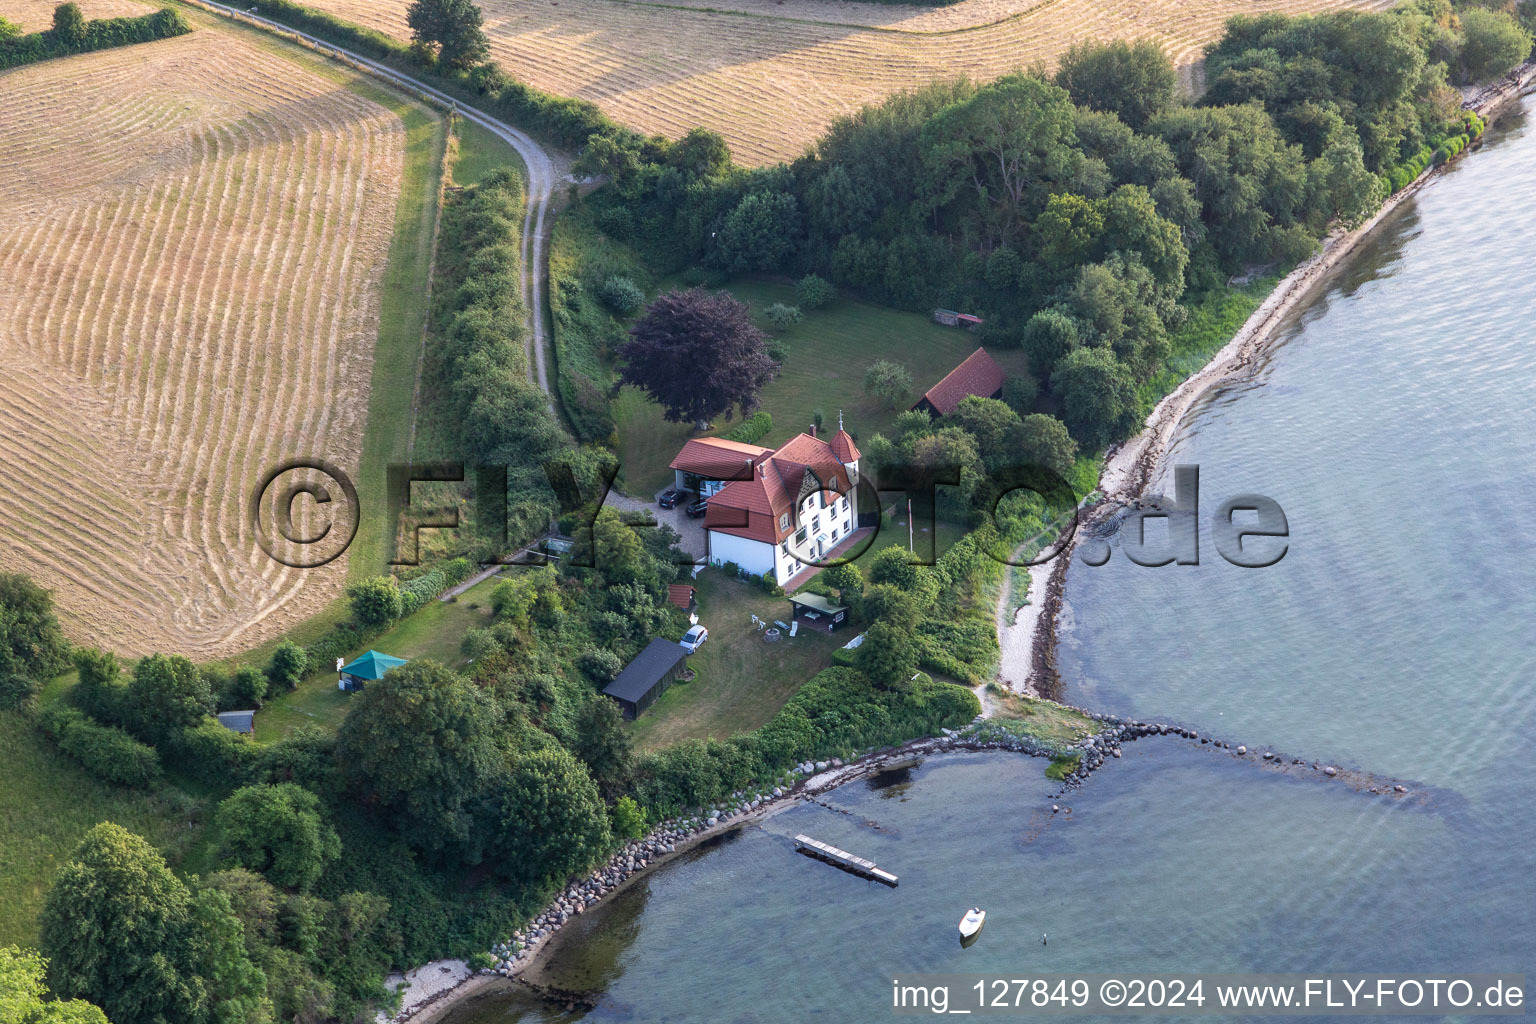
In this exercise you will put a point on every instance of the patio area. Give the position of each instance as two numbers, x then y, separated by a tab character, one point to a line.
850	543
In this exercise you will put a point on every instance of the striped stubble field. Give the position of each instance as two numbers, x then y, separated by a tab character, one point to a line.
771	75
192	237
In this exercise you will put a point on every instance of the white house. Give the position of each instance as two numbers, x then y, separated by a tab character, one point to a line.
776	511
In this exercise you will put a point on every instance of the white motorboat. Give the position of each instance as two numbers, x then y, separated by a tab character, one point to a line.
971	923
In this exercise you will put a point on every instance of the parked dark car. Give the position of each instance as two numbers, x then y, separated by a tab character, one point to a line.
670	497
698	508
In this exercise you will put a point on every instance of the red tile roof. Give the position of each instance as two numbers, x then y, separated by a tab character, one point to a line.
978	375
752	508
680	594
843	447
718	459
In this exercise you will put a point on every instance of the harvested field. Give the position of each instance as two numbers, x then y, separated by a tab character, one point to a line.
771	83
193	233
35	15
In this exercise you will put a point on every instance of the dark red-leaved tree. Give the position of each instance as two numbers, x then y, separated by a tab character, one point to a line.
697	355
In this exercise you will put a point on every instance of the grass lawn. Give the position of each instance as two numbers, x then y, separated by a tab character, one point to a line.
828	353
402	320
742	679
434	632
47	802
893	533
479	153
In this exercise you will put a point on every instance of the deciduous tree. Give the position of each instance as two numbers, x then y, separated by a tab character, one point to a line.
419	748
553	823
24	989
1043	440
31	643
603	745
280	831
69	24
166	695
1133	80
697	355
453	27
889	381
1097	394
120	930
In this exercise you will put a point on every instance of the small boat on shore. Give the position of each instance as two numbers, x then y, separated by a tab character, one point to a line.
970	924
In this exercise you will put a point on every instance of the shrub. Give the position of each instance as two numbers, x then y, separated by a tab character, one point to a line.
286	669
424	588
104	751
783	317
375	601
599	666
15	691
212	754
814	292
480	960
627	819
478	643
622	295
752	428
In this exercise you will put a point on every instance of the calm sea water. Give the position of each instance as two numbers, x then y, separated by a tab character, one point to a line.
1397	428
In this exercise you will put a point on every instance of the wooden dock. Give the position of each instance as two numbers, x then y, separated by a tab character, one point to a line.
843	859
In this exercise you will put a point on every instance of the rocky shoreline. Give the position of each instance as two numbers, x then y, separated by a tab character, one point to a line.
1128	467
517	956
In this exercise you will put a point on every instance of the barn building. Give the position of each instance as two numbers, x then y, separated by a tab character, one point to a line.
978	375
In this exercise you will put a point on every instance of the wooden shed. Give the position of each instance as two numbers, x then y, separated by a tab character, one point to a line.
647	677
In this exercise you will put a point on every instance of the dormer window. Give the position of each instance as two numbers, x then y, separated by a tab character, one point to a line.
784	520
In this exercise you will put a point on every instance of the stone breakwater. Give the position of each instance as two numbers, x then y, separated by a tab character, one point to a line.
1095	750
808	779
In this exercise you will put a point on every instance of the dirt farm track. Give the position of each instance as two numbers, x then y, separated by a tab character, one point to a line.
192	234
770	75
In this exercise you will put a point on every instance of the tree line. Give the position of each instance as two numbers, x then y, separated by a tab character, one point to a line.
71	33
1079	213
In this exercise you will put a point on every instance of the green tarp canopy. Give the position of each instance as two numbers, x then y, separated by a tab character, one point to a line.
817	603
372	665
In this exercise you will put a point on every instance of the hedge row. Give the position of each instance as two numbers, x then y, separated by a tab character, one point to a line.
753	428
366	41
836	714
428	585
104	751
102	34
